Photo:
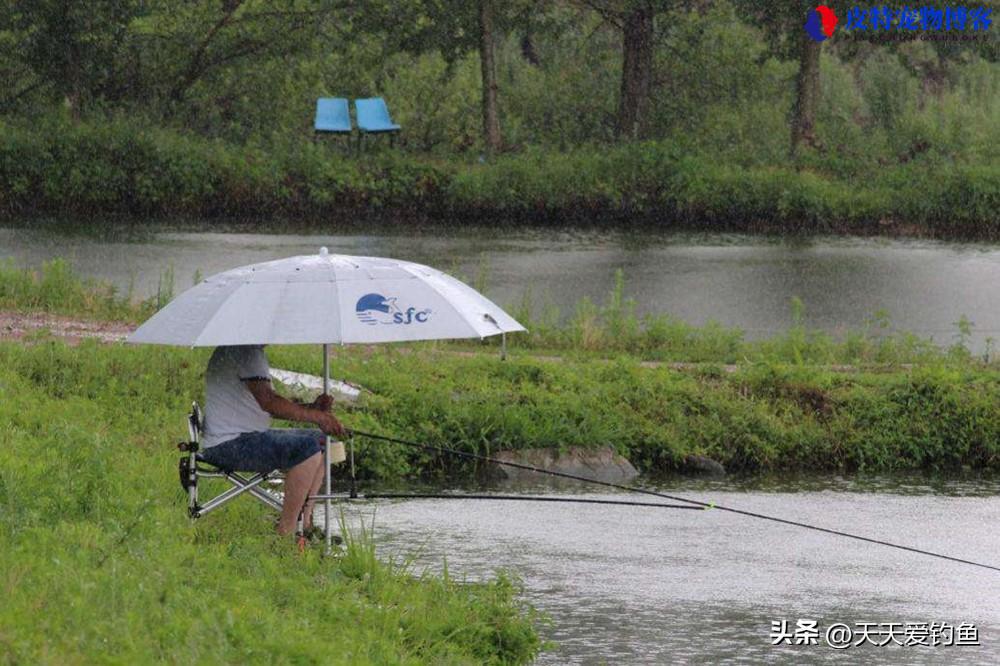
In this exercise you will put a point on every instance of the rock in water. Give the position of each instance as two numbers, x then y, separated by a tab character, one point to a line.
702	465
602	464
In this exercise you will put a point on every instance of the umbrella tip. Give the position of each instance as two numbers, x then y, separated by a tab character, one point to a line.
323	252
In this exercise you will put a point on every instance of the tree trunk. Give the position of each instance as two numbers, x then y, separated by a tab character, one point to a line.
491	116
806	95
637	72
71	69
528	50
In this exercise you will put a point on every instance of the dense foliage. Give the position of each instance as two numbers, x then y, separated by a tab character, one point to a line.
117	168
154	108
760	417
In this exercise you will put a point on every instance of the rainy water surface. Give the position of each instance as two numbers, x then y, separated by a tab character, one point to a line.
741	281
652	586
648	586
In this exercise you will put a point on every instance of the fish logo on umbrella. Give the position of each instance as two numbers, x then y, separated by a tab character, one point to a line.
820	23
374	309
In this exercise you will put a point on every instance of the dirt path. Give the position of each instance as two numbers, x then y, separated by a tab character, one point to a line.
20	325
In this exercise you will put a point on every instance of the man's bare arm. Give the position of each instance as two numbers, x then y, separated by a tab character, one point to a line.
283	408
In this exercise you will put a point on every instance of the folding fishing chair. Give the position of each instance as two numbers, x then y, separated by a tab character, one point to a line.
191	468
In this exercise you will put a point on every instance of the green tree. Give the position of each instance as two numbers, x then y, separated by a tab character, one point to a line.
71	47
454	28
190	41
636	20
784	26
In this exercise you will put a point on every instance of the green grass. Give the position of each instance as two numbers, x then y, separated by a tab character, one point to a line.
115	167
761	417
55	288
604	330
100	563
902	404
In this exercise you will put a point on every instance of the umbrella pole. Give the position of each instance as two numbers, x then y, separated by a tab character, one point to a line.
326	456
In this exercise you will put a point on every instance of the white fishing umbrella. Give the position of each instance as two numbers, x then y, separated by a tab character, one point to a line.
325	299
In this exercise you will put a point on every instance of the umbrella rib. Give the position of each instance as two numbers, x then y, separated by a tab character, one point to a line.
340	306
215	315
447	300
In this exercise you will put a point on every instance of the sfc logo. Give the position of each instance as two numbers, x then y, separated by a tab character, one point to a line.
374	309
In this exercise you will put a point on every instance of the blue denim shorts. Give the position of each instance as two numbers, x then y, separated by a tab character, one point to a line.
265	450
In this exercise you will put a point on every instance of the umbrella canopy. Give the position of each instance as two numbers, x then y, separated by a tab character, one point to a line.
325	299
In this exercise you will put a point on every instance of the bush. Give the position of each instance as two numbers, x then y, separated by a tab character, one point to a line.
120	168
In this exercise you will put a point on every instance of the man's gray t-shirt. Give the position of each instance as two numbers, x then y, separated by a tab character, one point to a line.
230	408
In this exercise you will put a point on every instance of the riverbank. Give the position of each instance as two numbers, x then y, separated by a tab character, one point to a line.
757	417
657	395
118	169
53	300
100	558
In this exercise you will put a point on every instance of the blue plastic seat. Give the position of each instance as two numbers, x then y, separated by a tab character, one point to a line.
333	115
373	116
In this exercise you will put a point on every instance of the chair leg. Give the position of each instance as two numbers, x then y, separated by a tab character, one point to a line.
192	486
262	494
266	496
300	532
240	486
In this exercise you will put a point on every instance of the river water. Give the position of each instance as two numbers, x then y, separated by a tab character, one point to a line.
655	586
626	585
741	281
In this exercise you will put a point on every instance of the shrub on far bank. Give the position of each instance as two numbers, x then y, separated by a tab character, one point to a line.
120	167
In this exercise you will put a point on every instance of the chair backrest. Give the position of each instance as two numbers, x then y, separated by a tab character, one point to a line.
196	423
373	115
332	115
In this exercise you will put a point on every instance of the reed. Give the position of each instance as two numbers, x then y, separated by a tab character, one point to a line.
604	329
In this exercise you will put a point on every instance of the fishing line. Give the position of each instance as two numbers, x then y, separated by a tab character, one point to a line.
674	498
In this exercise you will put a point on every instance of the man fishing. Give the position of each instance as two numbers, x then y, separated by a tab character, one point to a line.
239	404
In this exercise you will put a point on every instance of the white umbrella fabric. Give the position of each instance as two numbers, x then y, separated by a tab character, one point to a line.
325	299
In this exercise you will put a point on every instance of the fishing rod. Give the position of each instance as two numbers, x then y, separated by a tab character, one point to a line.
674	498
521	498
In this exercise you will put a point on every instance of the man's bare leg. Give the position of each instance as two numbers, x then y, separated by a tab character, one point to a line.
297	484
317	485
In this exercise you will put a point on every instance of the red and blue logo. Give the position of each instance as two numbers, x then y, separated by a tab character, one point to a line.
820	23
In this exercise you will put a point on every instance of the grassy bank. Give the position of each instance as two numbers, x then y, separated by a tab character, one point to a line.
783	404
100	563
594	330
761	417
55	288
117	168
